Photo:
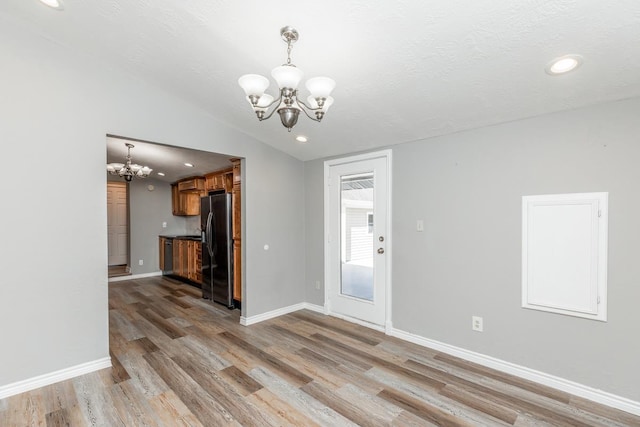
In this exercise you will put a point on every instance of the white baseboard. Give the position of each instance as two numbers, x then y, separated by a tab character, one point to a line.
53	377
315	307
558	383
246	321
135	276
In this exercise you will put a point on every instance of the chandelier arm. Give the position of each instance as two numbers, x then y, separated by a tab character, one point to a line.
301	102
302	106
274	101
272	111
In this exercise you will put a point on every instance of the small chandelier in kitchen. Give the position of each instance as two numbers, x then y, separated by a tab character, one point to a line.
128	171
288	105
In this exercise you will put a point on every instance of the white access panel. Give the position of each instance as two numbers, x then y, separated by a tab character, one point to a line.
564	254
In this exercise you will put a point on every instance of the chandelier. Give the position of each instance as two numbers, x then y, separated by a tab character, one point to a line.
288	76
128	171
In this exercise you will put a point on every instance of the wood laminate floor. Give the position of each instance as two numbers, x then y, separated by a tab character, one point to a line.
180	361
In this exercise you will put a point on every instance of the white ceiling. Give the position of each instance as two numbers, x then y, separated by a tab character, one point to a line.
405	70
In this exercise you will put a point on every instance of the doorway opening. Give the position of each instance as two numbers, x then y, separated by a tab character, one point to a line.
118	229
166	206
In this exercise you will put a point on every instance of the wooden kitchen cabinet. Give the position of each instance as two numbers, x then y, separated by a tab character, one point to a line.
194	261
219	180
162	241
184	203
187	258
177	257
195	184
236	228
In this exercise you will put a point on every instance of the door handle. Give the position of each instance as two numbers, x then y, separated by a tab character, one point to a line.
380	250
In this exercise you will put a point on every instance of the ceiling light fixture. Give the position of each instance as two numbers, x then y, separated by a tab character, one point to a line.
287	76
189	165
563	64
301	138
128	171
55	4
160	174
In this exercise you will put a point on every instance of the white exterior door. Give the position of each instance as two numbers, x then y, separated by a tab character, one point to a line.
117	223
357	249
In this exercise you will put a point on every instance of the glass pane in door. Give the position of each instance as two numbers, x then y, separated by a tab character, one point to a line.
356	235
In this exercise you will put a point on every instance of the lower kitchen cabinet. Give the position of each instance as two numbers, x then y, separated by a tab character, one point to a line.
194	261
187	258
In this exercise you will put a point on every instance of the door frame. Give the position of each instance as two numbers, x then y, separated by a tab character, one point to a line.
387	155
128	193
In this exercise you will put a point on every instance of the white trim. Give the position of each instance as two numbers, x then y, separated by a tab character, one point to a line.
549	380
53	377
387	155
135	276
314	307
246	321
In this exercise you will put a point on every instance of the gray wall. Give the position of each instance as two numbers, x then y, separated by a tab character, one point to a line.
61	105
278	200
467	188
147	211
314	230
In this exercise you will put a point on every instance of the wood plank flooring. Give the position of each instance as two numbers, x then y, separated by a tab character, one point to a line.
179	360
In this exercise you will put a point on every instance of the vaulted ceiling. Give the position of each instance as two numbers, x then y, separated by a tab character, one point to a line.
405	70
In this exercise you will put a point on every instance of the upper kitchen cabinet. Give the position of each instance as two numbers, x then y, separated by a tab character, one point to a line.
219	180
184	203
185	196
195	184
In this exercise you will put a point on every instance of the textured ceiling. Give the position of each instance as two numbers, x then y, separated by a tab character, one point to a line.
405	70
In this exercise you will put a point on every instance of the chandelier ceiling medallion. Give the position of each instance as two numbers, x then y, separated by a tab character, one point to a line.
288	76
127	170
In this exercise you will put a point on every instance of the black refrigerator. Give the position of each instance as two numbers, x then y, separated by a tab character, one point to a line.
217	247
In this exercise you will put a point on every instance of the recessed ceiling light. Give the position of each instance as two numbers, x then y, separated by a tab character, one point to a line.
189	165
55	4
301	138
160	173
563	64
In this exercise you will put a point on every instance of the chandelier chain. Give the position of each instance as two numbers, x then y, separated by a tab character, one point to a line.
289	52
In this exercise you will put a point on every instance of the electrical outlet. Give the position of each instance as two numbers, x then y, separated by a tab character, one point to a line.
140	262
476	323
164	225
317	284
419	225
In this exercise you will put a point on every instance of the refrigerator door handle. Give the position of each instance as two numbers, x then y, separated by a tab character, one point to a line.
209	236
213	237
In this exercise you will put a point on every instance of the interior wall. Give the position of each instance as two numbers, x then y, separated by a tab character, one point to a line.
468	189
147	211
314	229
61	105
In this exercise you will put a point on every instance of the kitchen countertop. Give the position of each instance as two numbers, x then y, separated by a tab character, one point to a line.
182	237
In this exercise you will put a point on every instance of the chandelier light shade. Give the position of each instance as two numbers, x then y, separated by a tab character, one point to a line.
128	170
288	77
